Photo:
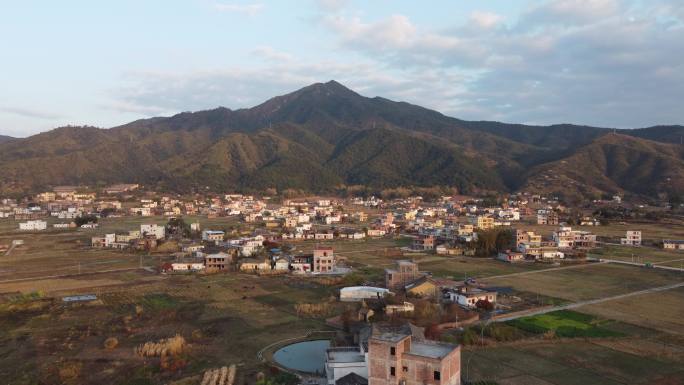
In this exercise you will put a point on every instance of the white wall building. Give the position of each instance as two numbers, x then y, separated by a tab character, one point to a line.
158	231
33	225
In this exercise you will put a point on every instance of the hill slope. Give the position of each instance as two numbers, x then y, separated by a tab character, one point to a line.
325	135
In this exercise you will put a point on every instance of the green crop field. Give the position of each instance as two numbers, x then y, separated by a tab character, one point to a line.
566	323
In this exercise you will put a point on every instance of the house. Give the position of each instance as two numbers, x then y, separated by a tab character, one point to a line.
397	356
323	260
376	232
301	264
632	238
406	307
361	293
404	273
424	243
213	235
219	261
549	217
424	287
673	245
567	238
511	257
482	222
281	264
36	225
468	297
187	267
324	236
152	229
254	264
529	238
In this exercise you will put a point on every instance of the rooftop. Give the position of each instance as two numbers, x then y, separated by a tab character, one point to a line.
344	355
431	349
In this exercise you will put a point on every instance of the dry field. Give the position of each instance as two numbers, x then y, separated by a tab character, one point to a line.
591	282
662	311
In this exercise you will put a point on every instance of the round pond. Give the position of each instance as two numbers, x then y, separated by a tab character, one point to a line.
307	356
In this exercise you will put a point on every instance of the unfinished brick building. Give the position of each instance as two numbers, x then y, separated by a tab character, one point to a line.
396	357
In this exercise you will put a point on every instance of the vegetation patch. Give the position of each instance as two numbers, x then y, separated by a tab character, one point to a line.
566	323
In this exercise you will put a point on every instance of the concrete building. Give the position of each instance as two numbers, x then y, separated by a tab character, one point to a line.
404	273
360	293
632	238
212	235
397	357
323	260
158	231
33	225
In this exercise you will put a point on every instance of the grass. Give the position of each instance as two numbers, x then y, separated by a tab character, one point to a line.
567	324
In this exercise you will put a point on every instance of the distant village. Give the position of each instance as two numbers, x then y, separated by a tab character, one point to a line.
458	226
267	236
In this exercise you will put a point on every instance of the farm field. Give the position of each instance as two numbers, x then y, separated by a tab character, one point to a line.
569	362
636	254
225	319
591	282
660	311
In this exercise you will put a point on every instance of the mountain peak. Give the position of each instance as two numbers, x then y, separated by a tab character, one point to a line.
329	88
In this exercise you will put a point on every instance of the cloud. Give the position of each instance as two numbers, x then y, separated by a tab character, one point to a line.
604	62
247	9
271	54
332	5
29	113
485	19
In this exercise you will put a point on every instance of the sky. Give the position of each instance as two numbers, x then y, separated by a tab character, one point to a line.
610	63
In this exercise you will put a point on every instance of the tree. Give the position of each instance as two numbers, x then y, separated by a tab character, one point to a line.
177	226
84	219
484	304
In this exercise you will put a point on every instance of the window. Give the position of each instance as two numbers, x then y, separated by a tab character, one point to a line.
405	369
437	375
393	371
393	351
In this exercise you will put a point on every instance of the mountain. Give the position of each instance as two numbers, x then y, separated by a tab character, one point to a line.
326	135
4	138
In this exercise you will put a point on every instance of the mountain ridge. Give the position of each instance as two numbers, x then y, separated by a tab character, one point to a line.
326	135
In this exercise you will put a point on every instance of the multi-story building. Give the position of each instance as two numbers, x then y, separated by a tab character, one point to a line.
482	222
424	242
397	357
158	231
323	260
632	238
404	273
547	218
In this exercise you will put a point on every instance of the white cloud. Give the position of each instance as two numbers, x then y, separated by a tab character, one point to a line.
485	19
607	62
332	5
247	9
30	113
271	54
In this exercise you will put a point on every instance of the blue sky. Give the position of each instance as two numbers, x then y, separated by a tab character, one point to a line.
615	63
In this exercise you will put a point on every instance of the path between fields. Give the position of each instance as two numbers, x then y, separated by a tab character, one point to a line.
589	302
71	275
543	270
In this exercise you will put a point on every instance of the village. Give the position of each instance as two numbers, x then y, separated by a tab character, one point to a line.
396	288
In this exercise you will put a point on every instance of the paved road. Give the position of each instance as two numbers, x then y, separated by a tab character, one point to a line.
591	302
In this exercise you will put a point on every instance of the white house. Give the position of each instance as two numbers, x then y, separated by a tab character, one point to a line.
33	225
195	266
158	231
632	238
359	293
